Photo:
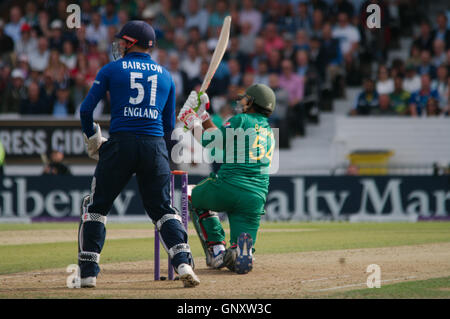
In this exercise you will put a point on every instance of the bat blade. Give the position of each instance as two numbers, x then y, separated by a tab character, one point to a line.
217	56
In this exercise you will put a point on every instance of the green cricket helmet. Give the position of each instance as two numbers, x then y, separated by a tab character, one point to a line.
261	96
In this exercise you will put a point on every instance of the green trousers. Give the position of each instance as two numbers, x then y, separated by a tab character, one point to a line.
243	208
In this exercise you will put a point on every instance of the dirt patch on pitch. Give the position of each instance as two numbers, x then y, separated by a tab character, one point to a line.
294	275
20	237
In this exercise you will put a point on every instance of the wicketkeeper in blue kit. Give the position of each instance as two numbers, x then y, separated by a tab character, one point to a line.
142	112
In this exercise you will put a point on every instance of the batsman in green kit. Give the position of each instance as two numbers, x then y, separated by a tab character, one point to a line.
245	146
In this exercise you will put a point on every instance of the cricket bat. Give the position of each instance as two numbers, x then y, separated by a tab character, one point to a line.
217	56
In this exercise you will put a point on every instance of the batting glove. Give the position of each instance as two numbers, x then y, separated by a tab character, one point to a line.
188	116
203	102
94	142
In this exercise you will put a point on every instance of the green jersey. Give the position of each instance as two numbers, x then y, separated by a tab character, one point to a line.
246	145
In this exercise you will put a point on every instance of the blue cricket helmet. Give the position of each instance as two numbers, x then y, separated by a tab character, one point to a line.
137	32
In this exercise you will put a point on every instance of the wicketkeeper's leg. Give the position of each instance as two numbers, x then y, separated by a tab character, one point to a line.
110	177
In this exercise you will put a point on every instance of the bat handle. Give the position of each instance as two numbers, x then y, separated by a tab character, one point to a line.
198	101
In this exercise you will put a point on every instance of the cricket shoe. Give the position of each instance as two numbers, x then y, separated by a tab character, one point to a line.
216	256
244	258
88	282
187	276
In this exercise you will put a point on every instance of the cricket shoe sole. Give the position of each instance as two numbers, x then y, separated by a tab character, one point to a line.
244	259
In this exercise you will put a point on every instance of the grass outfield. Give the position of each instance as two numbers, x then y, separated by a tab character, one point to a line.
274	238
431	288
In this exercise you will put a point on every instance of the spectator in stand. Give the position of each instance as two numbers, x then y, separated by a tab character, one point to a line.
262	73
250	14
197	17
122	16
289	46
258	53
27	43
439	54
367	100
295	86
274	62
165	17
203	50
442	32
302	19
194	35
425	66
248	80
419	99
425	39
329	58
57	69
22	64
6	42
234	53
317	24
177	75
15	92
191	63
446	107
96	31
43	23
56	165
279	117
78	91
31	14
341	6
109	17
441	85
246	39
12	28
385	84
301	40
400	97
348	37
218	15
272	40
303	67
56	35
314	51
34	104
385	107
63	107
274	12
234	72
39	58
414	56
5	81
68	58
411	82
322	5
432	108
48	88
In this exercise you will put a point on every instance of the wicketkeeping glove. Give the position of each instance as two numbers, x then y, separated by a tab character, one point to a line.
94	142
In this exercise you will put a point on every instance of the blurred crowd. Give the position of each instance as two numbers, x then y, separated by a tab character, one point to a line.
417	86
308	51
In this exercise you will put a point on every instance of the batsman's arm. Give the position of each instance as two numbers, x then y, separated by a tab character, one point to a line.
95	94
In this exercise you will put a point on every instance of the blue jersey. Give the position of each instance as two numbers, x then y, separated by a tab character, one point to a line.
142	97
